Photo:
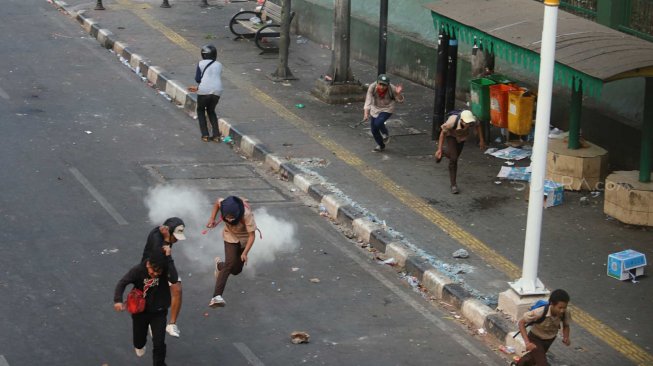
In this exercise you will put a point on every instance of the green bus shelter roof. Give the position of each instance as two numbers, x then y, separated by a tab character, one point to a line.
512	30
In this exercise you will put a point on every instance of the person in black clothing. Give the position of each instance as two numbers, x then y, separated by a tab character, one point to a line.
160	238
151	277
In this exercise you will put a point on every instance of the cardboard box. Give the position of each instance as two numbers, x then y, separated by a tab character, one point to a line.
625	265
553	193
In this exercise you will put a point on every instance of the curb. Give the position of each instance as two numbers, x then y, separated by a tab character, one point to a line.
435	282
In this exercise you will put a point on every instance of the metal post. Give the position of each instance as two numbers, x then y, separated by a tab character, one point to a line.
452	67
529	284
340	69
98	5
440	84
165	4
574	114
204	3
646	150
283	71
383	36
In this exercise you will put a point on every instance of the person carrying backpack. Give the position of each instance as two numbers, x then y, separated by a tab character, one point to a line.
545	320
379	106
454	132
238	234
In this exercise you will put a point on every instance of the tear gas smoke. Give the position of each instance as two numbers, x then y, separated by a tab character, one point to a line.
194	207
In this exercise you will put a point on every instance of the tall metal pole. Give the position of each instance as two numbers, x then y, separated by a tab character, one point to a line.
283	71
574	114
529	284
341	71
165	4
452	68
383	36
646	149
98	5
440	84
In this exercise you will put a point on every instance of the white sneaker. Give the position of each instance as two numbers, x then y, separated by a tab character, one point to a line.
386	138
140	351
173	330
217	302
216	271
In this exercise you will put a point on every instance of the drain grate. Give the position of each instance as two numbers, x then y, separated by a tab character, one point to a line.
218	179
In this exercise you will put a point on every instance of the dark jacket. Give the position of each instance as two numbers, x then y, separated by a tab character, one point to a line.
154	242
158	295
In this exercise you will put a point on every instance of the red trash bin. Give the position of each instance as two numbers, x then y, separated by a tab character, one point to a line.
499	104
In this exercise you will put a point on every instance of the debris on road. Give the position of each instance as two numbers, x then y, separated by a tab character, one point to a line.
507	349
389	261
109	251
584	201
461	253
315	280
88	132
299	106
295	269
481	331
297	337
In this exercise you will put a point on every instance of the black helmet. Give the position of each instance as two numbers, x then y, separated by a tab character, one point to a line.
209	52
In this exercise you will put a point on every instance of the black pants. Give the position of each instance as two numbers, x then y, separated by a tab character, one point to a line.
452	152
157	321
206	106
537	356
232	265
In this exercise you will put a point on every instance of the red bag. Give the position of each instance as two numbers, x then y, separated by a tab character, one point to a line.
135	301
136	297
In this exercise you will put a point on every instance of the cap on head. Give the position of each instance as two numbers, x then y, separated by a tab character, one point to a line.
177	227
232	209
467	116
209	52
383	79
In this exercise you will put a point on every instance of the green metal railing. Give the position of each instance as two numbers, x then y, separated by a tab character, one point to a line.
638	19
584	8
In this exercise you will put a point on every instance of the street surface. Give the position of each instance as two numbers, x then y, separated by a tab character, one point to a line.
83	144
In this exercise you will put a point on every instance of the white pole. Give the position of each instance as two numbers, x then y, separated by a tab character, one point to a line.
529	284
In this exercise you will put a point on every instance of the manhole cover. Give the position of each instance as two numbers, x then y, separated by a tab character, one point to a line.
219	179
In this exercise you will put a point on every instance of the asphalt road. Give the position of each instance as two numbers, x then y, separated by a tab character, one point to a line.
83	142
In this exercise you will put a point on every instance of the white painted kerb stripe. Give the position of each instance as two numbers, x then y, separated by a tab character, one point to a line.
98	197
3	362
247	353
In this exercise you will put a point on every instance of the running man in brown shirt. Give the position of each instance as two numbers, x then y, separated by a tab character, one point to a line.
238	234
544	331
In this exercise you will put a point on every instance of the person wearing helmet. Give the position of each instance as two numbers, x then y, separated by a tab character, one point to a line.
454	131
160	240
209	77
379	106
238	234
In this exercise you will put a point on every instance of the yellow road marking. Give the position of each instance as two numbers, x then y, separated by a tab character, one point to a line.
582	318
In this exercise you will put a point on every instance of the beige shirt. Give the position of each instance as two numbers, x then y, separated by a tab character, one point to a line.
463	130
549	327
240	232
376	104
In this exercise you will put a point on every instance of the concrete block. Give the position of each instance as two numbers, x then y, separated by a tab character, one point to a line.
399	252
434	282
153	74
224	126
247	144
104	37
88	24
332	203
302	182
514	305
274	162
455	294
363	229
317	191
119	47
379	239
173	87
476	311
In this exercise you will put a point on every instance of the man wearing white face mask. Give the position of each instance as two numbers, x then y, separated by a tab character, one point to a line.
238	234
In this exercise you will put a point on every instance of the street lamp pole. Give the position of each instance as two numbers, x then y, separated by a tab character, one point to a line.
98	5
529	284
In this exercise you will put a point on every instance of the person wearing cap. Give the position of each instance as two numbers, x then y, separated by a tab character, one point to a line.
454	132
239	234
379	106
208	75
160	240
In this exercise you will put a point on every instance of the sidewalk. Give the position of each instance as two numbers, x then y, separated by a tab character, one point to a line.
403	186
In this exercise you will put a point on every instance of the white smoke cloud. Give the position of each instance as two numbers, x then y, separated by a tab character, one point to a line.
194	207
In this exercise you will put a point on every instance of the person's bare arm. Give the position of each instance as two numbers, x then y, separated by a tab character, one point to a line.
214	213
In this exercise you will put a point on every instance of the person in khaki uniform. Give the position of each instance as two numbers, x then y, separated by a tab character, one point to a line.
238	234
545	330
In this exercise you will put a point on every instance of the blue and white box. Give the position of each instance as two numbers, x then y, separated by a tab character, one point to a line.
553	193
626	265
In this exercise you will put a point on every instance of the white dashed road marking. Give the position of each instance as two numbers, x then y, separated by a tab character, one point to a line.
98	197
245	351
3	95
3	362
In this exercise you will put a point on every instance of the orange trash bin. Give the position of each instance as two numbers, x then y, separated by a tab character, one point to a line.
499	104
